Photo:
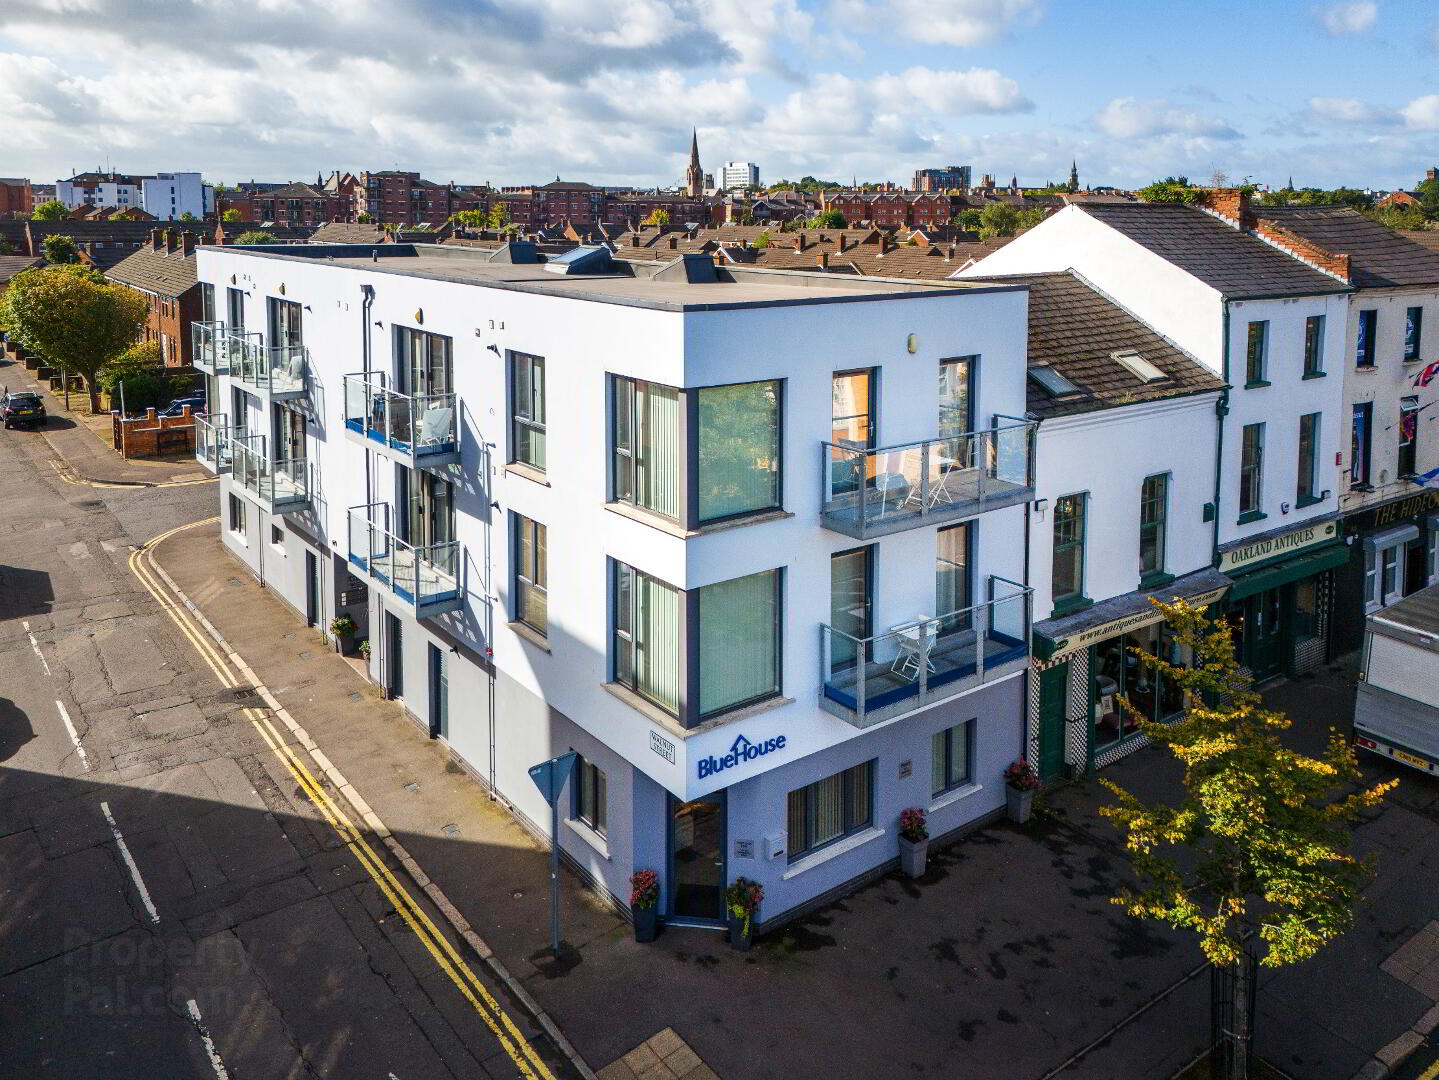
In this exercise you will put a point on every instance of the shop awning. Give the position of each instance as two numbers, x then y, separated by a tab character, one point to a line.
1120	614
1293	570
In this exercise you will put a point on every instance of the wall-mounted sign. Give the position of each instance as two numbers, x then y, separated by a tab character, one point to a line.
662	746
1258	551
743	750
1123	625
1402	509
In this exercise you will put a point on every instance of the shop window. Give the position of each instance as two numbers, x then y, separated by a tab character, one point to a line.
591	796
1251	473
1364	347
951	751
1069	523
830	809
1256	355
1153	513
1308	459
1313	346
1128	690
1413	329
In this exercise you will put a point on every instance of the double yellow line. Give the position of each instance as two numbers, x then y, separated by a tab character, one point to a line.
519	1049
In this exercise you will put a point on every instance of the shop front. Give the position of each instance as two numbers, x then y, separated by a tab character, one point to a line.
1393	552
1091	688
1278	609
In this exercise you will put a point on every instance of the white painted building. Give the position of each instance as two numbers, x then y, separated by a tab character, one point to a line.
1271	324
101	189
170	196
750	542
738	175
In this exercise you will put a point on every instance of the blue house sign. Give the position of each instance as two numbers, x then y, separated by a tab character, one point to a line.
743	750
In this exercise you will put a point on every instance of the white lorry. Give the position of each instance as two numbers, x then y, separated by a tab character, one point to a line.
1396	712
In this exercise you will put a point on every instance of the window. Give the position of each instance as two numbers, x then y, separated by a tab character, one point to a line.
953	590
1359	443
852	394
1257	354
277	536
1153	512
1364	348
237	515
1068	582
1408	435
739	639
739	471
648	461
591	790
956	396
647	636
531	574
949	758
1313	346
1308	458
1251	471
850	604
830	809
527	394
235	309
1413	328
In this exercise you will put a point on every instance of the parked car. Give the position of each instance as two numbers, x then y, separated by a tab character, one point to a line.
23	408
176	407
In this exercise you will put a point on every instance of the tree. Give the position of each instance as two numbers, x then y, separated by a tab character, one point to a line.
230	215
255	236
471	219
60	249
76	323
832	218
657	217
53	210
1260	834
1172	189
364	217
187	216
138	370
969	219
762	240
499	215
1002	219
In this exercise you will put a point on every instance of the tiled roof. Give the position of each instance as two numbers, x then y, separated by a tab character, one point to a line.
169	273
1235	263
1381	257
341	232
295	190
10	265
1428	238
1074	328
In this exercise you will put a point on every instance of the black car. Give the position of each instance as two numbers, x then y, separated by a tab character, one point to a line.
23	408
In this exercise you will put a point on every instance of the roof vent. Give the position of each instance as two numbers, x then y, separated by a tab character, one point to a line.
1137	366
1053	382
581	260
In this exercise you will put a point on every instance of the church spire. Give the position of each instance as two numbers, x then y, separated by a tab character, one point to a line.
1073	184
694	175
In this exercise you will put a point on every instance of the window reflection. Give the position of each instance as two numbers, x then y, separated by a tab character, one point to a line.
1124	679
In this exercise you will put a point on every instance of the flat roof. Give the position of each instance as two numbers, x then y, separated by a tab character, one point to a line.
1414	619
639	283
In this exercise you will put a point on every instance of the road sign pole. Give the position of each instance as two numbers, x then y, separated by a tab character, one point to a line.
555	878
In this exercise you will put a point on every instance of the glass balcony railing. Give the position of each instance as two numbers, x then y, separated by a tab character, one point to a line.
280	486
418	427
208	347
282	371
926	660
873	492
425	577
212	442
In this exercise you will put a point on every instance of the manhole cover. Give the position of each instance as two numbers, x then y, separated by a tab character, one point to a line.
452	831
234	581
412	786
242	693
357	697
306	655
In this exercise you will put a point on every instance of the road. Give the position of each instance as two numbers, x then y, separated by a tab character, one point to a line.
179	897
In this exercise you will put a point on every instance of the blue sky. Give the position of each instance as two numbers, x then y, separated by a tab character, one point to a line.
606	90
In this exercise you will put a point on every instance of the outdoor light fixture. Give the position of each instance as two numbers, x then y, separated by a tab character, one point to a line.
494	349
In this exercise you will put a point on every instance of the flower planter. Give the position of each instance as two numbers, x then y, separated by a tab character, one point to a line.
344	644
741	933
646	922
1018	803
912	856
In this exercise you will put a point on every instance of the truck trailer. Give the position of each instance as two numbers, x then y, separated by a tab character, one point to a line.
1396	710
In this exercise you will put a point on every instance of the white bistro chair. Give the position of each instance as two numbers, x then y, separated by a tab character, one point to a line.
913	641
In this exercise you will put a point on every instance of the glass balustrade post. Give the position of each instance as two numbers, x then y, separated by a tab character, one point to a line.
924	478
862	650
924	647
982	470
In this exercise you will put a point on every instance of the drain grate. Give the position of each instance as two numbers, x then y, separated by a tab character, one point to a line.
452	831
234	581
241	693
412	786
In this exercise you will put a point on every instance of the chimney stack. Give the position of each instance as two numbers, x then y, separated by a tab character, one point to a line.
187	243
823	260
1232	204
155	242
169	241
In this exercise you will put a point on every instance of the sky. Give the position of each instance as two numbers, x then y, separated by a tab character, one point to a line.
520	91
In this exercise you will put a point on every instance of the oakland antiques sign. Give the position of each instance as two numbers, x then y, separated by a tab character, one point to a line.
1257	551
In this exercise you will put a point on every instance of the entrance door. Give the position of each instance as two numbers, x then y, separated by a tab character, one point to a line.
312	589
284	323
439	693
1053	693
849	605
697	863
1264	629
394	657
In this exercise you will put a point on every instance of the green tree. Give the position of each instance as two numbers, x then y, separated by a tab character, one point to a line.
657	217
1428	192
140	369
762	240
364	217
255	236
1172	189
187	216
76	323
969	219
832	218
1003	219
1255	853
230	215
499	215
471	219
60	249
53	210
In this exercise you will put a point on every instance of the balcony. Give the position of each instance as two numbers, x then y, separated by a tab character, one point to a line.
425	578
208	352
871	493
281	487
213	438
927	660
280	372
417	430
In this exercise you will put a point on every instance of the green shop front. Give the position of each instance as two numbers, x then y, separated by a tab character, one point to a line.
1085	672
1279	608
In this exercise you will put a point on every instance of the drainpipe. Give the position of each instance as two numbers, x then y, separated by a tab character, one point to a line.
1028	525
1221	410
372	603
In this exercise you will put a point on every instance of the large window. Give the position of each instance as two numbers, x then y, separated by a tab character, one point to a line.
647	638
648	446
956	396
1408	435
1413	331
830	809
954	591
850	604
1068	584
1359	444
527	394
1121	678
950	754
1251	470
207	302
1307	488
738	449
1313	346
1364	346
237	515
1153	515
591	796
425	366
1256	354
531	574
739	637
853	408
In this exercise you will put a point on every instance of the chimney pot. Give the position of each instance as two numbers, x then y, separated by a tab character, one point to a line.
187	243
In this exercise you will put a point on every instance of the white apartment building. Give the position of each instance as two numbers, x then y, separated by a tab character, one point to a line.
751	543
101	189
737	175
166	196
1270	323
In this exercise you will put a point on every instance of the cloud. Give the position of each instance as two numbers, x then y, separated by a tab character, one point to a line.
1337	110
965	23
1422	114
1142	118
1348	18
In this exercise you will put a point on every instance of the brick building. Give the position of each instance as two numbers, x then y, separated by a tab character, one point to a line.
288	204
894	209
17	199
405	198
163	271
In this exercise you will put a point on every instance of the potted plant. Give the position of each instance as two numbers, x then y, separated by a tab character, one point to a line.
1020	782
342	628
365	650
645	903
913	841
742	900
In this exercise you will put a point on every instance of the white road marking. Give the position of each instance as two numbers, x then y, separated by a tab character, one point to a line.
215	1062
36	646
74	735
130	862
